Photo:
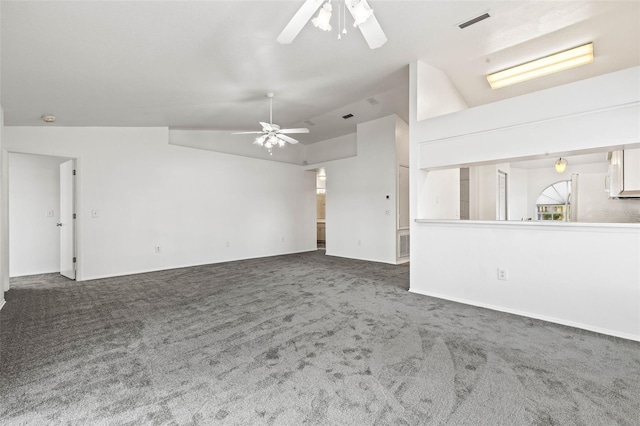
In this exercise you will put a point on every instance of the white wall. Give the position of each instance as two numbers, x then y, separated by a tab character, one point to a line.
570	274
198	206
441	198
332	149
591	281
4	204
224	141
4	214
357	223
539	179
431	95
34	238
595	205
518	195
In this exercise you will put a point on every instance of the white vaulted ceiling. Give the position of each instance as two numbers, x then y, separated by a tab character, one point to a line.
208	64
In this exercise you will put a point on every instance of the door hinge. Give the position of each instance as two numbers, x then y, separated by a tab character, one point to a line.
74	172
74	215
74	260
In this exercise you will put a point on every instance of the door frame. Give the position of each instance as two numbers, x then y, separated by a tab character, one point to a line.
4	206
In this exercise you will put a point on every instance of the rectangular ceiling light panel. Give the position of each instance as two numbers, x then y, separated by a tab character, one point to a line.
561	61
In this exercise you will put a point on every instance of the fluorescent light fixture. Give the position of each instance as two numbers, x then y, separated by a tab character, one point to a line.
561	61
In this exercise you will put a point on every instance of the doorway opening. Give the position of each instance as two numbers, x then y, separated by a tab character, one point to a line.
321	208
42	230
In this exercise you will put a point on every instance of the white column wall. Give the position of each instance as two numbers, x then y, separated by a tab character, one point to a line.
200	207
357	223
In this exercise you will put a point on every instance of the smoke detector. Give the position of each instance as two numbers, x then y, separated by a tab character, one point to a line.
48	118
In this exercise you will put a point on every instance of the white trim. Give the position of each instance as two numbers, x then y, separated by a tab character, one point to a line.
615	333
29	274
533	122
2	303
190	265
532	224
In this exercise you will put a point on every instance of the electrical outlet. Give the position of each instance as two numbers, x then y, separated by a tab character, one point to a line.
503	274
157	249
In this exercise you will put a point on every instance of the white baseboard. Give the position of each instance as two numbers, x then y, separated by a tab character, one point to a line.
588	327
188	265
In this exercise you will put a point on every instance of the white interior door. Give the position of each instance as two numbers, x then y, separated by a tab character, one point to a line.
67	222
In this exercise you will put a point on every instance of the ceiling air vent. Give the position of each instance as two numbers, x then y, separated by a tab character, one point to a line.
347	116
474	20
373	101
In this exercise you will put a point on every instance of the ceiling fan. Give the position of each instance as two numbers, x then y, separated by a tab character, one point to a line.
271	134
360	11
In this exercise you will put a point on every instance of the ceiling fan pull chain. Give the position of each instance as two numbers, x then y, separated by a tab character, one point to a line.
339	17
344	17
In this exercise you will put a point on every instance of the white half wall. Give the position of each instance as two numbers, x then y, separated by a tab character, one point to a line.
34	210
198	206
578	275
574	274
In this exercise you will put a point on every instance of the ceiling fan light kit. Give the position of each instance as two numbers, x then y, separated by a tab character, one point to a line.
361	12
363	19
271	134
322	21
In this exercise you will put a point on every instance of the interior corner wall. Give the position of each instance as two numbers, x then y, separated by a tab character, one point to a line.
441	196
34	211
431	94
198	207
4	214
360	219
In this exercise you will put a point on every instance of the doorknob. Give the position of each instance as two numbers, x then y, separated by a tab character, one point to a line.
58	224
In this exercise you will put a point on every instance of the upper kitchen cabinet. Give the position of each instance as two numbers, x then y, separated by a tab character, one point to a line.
624	173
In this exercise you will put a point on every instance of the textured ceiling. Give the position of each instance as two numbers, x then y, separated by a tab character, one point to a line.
208	64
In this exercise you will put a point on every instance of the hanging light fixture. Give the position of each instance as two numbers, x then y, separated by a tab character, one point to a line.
324	16
322	174
561	165
361	12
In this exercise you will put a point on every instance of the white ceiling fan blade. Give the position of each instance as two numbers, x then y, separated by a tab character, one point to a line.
287	138
371	29
246	133
298	21
300	130
266	126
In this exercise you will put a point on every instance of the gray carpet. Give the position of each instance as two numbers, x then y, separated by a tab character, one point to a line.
296	339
